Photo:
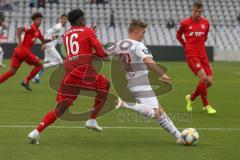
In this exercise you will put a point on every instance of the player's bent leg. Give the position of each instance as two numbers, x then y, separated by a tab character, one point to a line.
35	70
210	81
166	123
101	87
153	112
8	74
190	98
205	81
48	119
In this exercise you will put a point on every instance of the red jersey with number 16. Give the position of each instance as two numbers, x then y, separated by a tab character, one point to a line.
79	42
195	34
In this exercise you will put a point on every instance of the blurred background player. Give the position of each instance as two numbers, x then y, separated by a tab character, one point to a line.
195	30
23	51
3	37
136	58
80	74
52	56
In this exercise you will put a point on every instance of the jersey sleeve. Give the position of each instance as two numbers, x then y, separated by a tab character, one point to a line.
41	36
100	51
26	28
142	52
179	34
208	28
55	30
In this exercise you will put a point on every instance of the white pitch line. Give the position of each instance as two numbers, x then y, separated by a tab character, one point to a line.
237	73
130	128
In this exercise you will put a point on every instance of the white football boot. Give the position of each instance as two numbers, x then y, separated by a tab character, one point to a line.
119	104
34	136
92	124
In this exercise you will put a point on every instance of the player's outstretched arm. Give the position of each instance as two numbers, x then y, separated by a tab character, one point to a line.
151	64
99	50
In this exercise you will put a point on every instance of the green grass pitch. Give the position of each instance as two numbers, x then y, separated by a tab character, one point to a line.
121	139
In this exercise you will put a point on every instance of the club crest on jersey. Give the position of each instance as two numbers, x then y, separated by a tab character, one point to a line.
203	26
198	65
190	27
147	52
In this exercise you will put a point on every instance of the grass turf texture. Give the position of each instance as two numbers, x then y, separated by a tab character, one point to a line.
22	108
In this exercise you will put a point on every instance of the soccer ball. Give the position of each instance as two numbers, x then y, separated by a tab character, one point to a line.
190	136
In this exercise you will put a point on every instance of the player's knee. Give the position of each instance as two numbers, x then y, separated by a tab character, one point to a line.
204	79
209	82
106	85
39	64
63	106
13	70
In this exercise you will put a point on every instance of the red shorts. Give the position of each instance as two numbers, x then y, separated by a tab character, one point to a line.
23	54
196	64
71	85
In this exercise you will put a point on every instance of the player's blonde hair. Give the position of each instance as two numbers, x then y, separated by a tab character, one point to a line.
198	4
135	24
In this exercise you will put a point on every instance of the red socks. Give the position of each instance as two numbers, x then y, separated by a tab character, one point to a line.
35	71
100	100
48	119
200	90
6	75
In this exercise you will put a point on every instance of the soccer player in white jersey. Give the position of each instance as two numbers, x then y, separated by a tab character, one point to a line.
136	58
1	57
52	56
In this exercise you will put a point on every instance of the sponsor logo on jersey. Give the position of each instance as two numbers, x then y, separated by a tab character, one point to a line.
197	34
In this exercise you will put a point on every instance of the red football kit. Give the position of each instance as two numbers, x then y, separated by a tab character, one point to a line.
195	34
79	73
24	53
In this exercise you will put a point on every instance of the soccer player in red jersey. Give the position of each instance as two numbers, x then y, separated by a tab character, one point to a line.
23	51
195	30
79	73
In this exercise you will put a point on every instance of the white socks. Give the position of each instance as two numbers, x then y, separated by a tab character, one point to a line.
1	56
166	123
51	64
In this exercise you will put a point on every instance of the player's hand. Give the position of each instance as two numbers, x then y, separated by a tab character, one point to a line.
94	26
166	78
55	37
43	47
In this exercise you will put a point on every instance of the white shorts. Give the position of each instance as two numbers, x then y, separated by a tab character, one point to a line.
52	55
1	51
142	91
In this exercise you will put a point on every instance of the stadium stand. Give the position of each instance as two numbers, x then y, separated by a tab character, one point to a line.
222	14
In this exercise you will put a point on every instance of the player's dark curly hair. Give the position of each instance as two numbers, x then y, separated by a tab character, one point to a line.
74	15
36	15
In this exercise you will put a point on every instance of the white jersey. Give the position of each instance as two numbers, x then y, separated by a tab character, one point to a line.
56	30
131	54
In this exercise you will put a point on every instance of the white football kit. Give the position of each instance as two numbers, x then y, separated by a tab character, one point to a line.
131	53
51	53
1	56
